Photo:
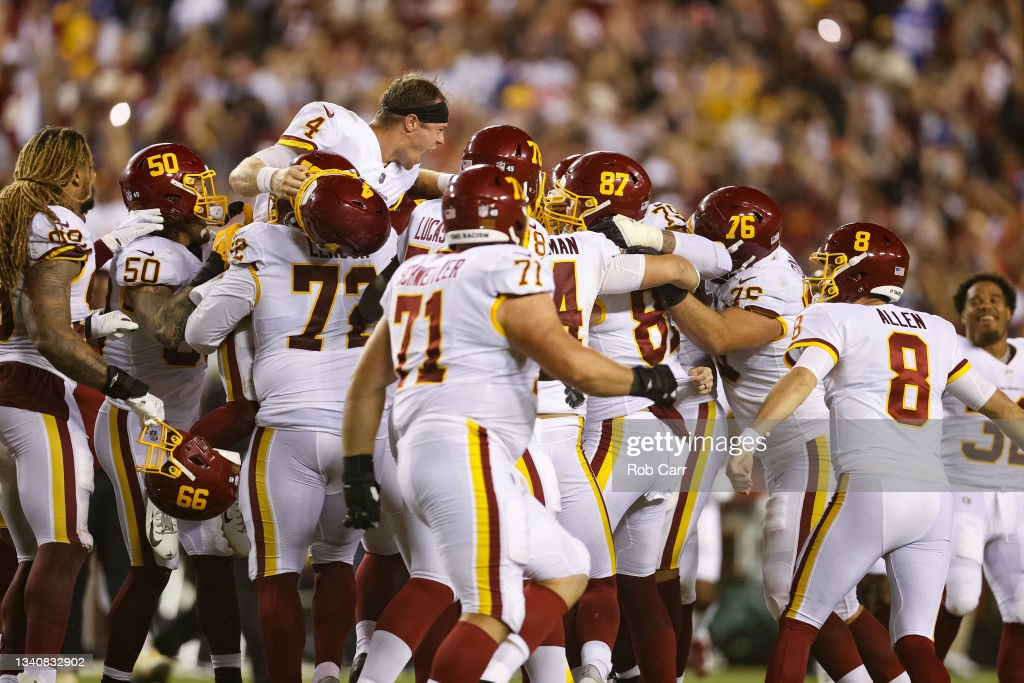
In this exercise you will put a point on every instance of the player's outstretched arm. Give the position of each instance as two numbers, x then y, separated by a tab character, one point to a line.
46	303
669	270
734	329
268	171
532	327
1007	415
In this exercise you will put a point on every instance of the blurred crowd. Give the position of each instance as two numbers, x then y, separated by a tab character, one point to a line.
906	113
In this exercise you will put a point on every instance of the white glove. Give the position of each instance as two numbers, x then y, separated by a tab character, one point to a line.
113	324
137	224
626	233
148	407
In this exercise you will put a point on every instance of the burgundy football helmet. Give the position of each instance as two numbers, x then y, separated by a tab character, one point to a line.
319	161
316	161
402	212
513	151
484	205
558	172
596	186
184	476
860	259
174	179
745	220
342	214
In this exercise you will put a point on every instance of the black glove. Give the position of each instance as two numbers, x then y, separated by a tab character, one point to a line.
213	267
121	385
234	208
362	493
607	227
657	383
670	295
573	398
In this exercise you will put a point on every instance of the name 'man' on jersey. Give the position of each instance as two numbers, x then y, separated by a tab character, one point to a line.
305	323
450	354
974	452
884	393
579	264
66	239
175	375
331	128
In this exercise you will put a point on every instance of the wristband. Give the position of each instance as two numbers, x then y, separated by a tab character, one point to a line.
357	467
751	434
121	385
263	177
444	180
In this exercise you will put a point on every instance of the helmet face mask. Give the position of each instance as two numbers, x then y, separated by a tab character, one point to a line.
857	260
340	213
174	179
484	205
184	476
594	186
745	220
513	152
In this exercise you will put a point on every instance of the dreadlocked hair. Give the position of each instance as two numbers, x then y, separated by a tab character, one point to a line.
45	165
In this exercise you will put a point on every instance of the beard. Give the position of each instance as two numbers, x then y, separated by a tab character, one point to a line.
87	205
986	337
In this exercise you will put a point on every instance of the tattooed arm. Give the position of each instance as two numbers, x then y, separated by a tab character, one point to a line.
160	312
46	304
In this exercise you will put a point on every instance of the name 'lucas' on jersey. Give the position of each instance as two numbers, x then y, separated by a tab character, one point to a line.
975	453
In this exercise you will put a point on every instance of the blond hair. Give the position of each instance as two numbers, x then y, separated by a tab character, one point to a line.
45	165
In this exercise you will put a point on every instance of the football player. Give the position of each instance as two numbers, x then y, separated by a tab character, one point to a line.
984	472
402	626
630	327
746	328
884	370
458	438
386	152
147	280
46	270
589	189
292	279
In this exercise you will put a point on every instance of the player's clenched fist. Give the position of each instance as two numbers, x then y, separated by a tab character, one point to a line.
362	492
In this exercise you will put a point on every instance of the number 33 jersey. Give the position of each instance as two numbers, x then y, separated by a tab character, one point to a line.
449	351
889	368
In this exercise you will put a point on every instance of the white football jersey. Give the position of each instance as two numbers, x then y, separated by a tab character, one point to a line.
974	451
66	239
450	354
331	128
884	393
305	326
579	263
175	375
